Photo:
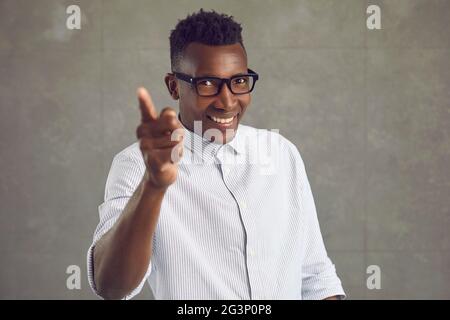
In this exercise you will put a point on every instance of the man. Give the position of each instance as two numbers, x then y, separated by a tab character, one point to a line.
191	207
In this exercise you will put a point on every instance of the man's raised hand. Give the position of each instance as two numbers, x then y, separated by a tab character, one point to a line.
160	140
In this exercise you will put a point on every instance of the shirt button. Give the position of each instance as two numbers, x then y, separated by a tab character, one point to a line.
244	205
251	252
225	170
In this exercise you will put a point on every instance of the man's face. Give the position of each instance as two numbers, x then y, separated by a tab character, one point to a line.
218	61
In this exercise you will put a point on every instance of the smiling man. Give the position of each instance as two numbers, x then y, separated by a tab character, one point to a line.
191	208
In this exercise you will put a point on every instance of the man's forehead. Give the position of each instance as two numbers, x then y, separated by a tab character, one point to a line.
224	61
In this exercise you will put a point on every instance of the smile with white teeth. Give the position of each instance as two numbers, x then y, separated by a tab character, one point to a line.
222	120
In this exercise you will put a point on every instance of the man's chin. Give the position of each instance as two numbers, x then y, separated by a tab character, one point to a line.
219	136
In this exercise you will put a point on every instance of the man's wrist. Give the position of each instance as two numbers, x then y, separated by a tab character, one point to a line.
148	185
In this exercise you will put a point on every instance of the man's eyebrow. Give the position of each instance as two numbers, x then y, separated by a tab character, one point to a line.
203	75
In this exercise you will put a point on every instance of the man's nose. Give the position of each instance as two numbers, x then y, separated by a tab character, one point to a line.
226	97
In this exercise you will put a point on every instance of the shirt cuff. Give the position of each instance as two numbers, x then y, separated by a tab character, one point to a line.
90	274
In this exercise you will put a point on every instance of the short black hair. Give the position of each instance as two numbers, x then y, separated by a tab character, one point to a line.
206	27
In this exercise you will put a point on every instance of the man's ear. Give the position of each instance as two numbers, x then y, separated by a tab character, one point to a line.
172	86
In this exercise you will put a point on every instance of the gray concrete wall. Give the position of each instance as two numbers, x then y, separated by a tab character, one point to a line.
368	109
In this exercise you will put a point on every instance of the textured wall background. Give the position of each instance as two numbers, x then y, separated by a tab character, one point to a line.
368	109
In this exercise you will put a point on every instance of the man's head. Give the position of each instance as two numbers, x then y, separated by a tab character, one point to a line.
208	44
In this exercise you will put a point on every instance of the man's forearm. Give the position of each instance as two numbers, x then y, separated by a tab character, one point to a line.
122	255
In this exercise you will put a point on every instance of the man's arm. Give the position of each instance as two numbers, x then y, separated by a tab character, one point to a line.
122	255
319	278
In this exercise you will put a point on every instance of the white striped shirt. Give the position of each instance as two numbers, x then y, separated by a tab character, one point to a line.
238	223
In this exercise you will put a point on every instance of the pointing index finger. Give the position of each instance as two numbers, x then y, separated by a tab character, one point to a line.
148	111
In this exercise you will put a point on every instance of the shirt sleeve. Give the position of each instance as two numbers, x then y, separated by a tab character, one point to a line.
124	176
319	278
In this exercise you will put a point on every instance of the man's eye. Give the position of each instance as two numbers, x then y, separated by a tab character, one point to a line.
240	81
205	83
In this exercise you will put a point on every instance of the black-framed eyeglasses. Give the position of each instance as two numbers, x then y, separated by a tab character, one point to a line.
211	86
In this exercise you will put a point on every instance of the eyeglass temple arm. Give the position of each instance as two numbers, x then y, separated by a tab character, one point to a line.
250	71
183	77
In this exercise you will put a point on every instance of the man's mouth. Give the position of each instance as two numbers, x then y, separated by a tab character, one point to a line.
222	121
